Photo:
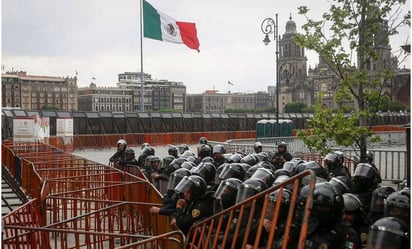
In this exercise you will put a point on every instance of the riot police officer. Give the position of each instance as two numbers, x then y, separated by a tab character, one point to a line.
129	159
334	167
170	198
281	156
326	227
172	150
397	204
365	180
379	196
192	207
258	147
218	151
121	146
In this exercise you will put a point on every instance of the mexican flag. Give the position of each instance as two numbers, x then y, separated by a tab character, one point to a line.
159	26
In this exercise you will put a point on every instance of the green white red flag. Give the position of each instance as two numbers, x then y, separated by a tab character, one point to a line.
159	26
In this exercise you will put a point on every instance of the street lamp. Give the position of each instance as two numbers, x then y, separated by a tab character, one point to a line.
270	26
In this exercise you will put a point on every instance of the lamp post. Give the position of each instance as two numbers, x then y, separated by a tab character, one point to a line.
270	26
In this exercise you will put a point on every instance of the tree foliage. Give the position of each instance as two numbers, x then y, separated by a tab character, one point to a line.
295	107
50	107
348	38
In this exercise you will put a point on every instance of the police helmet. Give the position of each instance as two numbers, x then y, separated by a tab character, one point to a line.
388	232
227	191
275	197
343	184
327	202
195	184
331	160
174	165
235	158
167	160
183	148
145	145
206	170
129	151
187	154
351	203
340	155
176	176
249	159
369	156
146	151
188	165
250	187
291	166
262	157
251	170
378	198
405	191
207	159
191	159
121	141
172	150
365	178
397	205
315	167
265	175
218	148
257	147
204	151
154	159
203	140
232	170
282	145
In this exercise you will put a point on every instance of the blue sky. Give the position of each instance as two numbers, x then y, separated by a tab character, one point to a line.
100	38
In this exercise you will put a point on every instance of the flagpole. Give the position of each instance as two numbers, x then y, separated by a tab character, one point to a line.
141	59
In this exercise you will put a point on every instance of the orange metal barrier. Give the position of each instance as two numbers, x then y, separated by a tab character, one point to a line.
17	235
216	231
79	203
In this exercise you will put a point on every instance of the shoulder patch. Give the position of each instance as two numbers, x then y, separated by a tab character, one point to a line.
195	212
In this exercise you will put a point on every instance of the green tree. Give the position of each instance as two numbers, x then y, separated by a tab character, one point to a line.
294	107
351	27
50	107
386	104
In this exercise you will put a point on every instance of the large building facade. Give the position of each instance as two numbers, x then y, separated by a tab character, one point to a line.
298	86
213	102
30	92
126	97
111	99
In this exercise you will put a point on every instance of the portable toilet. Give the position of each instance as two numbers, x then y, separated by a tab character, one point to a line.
260	128
270	128
289	127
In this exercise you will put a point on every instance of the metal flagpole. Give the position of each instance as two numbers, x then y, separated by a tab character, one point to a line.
141	60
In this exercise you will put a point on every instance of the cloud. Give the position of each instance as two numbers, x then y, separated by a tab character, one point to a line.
100	38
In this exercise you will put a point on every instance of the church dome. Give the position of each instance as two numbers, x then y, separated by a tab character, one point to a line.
290	26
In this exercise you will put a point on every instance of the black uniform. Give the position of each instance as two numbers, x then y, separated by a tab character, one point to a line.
169	203
279	158
125	161
339	236
191	213
119	155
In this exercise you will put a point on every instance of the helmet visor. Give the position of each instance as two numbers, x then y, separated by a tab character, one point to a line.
380	238
244	192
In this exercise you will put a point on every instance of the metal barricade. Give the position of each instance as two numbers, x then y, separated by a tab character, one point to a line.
79	203
232	228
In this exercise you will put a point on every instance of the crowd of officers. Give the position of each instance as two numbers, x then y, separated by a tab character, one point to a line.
349	210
